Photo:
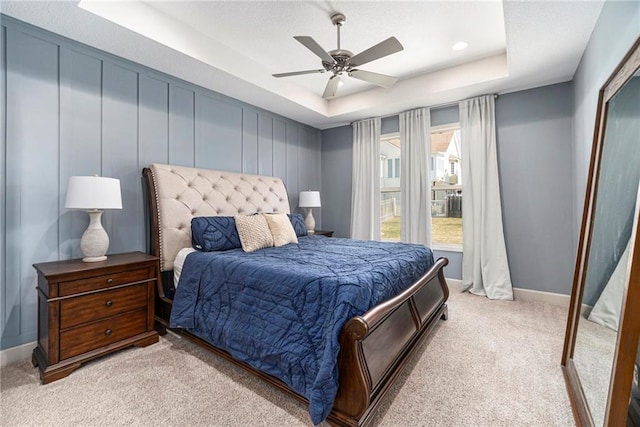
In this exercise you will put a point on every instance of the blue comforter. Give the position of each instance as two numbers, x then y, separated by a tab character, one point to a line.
282	309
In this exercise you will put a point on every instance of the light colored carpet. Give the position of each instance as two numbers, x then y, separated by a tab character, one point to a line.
493	363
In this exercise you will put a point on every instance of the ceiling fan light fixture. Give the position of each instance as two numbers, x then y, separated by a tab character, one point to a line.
339	61
460	45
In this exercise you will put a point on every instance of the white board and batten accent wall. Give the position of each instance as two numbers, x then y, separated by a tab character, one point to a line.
72	110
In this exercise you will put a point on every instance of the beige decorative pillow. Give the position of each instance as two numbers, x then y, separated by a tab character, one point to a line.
254	232
281	229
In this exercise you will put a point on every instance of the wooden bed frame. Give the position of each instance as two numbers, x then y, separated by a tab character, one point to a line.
375	347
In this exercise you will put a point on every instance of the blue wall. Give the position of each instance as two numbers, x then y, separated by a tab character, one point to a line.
337	159
533	129
72	110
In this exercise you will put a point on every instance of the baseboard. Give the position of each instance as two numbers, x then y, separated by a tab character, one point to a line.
455	285
16	354
521	294
561	300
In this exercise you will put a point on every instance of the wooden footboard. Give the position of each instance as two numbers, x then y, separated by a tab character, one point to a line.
375	347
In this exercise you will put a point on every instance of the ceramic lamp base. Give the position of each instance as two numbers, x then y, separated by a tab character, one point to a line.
95	241
309	221
94	259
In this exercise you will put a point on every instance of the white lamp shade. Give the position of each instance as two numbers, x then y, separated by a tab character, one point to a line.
309	199
93	192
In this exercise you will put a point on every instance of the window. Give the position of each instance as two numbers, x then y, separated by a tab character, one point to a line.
446	187
390	188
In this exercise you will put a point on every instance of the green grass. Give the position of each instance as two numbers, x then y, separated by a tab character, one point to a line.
390	229
443	230
446	230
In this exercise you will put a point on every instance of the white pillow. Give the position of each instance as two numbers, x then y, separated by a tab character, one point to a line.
178	263
281	229
254	232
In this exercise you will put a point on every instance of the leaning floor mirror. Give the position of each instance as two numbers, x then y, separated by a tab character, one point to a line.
600	359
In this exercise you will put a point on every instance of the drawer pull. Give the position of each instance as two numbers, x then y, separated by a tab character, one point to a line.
108	332
108	303
109	281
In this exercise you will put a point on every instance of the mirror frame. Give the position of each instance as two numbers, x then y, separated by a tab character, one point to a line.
629	326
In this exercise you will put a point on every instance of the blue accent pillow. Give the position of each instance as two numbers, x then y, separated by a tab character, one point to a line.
298	224
214	233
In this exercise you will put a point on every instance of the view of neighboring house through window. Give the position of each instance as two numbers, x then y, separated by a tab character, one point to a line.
390	187
446	187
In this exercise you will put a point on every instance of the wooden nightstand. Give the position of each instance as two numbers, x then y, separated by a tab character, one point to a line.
89	309
323	233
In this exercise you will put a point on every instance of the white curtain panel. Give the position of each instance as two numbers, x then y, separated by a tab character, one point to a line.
606	311
365	199
485	270
415	149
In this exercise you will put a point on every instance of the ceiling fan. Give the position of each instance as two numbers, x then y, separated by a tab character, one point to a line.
340	61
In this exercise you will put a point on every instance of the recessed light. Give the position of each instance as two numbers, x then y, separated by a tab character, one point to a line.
340	83
460	46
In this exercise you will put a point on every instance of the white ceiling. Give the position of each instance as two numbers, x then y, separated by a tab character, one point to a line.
233	47
264	32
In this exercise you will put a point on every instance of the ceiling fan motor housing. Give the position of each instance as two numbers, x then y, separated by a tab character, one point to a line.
342	57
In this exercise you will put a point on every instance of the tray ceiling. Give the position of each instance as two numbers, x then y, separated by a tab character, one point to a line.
233	47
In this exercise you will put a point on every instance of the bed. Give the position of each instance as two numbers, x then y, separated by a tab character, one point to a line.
374	344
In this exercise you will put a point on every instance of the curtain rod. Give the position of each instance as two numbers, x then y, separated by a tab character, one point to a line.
443	105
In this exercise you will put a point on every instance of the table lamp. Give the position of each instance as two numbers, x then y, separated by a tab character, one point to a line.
309	200
94	194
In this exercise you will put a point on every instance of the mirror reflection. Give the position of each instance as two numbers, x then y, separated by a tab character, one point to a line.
608	258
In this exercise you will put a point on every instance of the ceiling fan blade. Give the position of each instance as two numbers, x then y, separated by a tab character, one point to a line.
332	87
382	49
297	73
314	47
375	78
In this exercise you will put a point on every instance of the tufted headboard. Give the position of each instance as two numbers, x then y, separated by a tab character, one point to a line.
177	194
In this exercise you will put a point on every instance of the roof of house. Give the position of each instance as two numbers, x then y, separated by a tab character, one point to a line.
394	141
440	141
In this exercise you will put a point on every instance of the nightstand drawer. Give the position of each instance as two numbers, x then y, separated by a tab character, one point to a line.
86	338
87	308
100	282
